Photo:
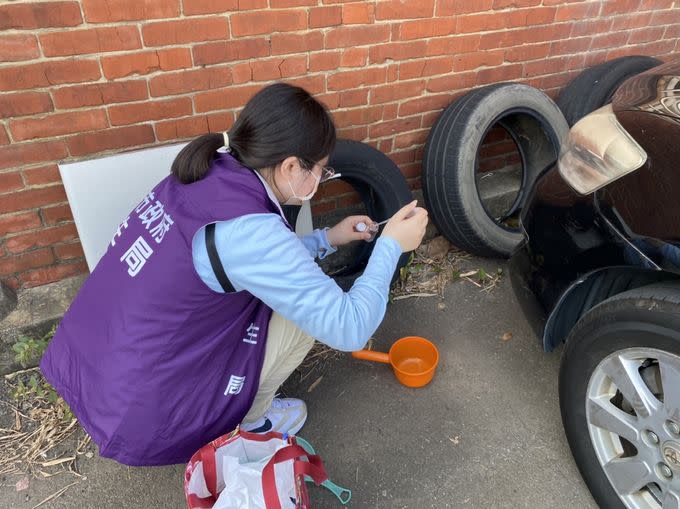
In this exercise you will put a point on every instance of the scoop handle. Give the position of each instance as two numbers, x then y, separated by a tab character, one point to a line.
370	355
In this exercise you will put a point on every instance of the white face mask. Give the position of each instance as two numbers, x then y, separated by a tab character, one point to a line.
303	198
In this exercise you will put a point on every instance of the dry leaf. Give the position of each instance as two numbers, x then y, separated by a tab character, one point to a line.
507	336
40	426
425	275
57	461
472	281
441	305
54	495
455	440
314	384
421	250
438	247
412	295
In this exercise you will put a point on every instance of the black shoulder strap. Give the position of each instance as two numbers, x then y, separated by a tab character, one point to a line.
215	260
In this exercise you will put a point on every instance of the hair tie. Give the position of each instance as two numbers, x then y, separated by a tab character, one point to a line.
226	139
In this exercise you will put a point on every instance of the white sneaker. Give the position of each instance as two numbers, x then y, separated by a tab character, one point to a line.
286	415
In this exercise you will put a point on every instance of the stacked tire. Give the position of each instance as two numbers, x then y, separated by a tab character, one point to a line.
536	125
450	163
594	87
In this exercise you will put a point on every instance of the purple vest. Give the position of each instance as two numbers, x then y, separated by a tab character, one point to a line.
153	362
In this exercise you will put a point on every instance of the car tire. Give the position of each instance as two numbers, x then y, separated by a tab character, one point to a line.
594	87
535	124
631	325
383	191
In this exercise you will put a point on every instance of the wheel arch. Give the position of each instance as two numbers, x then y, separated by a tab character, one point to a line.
591	289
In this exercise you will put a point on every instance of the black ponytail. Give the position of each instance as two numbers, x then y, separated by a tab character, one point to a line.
278	122
194	160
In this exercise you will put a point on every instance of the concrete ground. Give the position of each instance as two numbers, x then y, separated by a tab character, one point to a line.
485	433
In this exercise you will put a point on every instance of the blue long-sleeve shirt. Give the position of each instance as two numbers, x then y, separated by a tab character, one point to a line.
261	255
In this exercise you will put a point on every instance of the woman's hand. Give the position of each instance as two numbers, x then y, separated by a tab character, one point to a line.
344	232
407	226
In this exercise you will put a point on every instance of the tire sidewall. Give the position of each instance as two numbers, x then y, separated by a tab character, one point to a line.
485	114
383	190
613	327
365	167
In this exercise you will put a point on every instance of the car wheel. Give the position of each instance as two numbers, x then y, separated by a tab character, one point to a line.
383	190
451	180
594	87
619	389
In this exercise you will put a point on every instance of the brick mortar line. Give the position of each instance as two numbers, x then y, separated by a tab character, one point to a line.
39	209
369	88
58	263
68	136
88	25
387	22
29	167
155	122
73	159
112	151
5	123
106	110
41	228
329	73
30	187
191	45
194	115
603	50
151	98
195	67
43	224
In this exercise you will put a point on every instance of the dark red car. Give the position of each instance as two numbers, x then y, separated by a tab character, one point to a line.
599	270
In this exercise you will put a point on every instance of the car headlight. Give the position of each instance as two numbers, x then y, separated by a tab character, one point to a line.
598	151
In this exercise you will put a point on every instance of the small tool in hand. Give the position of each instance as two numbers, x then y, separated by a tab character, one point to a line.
362	227
373	229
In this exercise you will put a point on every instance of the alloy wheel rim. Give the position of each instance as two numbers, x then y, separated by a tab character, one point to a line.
633	415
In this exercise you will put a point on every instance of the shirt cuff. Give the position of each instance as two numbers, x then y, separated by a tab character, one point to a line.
325	247
391	245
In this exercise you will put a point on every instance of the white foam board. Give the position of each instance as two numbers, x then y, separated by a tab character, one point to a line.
101	192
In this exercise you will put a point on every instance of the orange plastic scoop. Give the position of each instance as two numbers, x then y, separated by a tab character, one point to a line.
413	360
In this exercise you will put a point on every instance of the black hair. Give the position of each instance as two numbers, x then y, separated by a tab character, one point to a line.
279	121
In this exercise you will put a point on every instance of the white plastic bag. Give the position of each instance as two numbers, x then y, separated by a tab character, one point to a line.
251	471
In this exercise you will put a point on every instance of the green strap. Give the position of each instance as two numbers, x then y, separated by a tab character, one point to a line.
343	494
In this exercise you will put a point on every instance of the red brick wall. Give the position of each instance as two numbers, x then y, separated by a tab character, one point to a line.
79	79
